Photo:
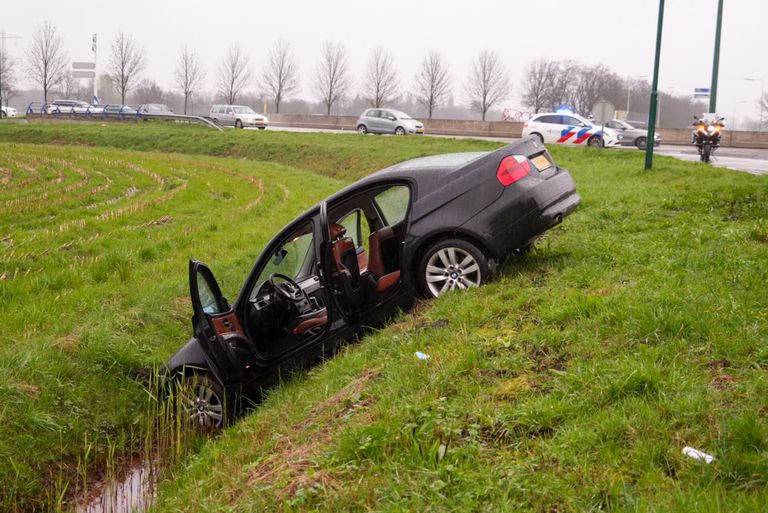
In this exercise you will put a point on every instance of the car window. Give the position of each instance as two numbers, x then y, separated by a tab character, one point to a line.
374	114
352	223
293	258
229	110
548	119
392	203
570	120
208	299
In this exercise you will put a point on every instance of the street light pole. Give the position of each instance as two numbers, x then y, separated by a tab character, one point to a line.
716	62
629	89
654	91
762	96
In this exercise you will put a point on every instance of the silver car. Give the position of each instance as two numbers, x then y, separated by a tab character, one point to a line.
633	136
238	116
388	121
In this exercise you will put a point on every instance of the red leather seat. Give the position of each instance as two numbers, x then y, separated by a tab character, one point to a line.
376	265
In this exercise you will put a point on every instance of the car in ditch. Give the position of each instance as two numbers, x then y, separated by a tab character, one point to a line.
423	227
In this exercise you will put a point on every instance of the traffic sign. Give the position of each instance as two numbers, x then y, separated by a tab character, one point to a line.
83	65
83	74
701	92
603	111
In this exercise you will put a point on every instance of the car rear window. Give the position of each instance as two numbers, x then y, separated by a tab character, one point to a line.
393	204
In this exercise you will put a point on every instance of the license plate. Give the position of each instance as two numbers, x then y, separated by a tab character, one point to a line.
541	162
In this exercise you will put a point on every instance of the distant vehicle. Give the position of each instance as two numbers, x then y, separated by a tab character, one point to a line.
117	109
631	135
706	136
8	112
238	116
154	108
434	225
67	107
388	121
565	127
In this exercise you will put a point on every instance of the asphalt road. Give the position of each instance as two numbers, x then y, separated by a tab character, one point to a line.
740	159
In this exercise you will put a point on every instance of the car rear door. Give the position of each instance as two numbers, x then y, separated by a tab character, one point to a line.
215	324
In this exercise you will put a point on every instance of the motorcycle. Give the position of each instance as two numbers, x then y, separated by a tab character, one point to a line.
706	135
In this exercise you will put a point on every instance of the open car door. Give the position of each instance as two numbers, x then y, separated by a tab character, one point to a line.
216	325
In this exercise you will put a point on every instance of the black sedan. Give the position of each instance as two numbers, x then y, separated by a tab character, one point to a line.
422	227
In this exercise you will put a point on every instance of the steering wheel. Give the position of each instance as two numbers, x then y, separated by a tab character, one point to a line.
287	288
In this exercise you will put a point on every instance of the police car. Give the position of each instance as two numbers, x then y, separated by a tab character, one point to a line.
565	127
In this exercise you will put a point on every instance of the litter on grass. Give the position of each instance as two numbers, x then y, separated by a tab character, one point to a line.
421	356
698	455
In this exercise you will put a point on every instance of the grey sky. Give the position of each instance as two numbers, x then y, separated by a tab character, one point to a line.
618	33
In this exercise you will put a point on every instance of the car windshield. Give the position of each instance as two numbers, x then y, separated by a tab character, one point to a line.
243	110
289	259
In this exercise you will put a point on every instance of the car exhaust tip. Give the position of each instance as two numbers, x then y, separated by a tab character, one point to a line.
557	219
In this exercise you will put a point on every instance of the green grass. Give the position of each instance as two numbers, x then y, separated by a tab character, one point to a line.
571	383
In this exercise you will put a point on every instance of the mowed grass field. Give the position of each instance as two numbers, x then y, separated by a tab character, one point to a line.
571	383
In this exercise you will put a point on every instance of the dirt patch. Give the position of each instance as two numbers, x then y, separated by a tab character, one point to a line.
292	460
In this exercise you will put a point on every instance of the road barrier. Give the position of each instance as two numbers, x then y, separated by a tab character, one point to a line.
39	111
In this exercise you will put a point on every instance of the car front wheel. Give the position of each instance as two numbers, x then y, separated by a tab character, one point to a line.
641	143
238	123
452	264
596	141
202	402
399	131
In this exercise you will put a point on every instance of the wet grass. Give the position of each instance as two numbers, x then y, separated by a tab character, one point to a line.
570	384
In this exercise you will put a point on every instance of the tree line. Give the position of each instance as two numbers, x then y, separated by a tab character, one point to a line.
546	85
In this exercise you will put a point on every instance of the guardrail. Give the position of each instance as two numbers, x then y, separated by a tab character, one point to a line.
110	112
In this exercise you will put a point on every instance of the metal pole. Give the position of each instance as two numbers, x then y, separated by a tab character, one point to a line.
654	92
95	99
716	62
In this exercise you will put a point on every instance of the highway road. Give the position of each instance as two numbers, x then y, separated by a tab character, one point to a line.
740	159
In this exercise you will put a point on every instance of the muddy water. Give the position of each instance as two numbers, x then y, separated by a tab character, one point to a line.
134	492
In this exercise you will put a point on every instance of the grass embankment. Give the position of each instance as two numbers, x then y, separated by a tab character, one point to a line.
570	384
342	156
93	287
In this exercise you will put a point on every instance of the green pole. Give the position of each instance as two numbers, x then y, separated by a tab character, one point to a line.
654	93
716	63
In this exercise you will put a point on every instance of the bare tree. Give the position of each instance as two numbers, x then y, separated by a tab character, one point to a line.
332	75
189	74
234	74
7	77
70	86
148	91
537	87
432	83
381	86
763	104
46	58
126	63
487	83
281	76
562	91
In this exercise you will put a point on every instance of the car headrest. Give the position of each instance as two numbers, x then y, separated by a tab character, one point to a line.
337	231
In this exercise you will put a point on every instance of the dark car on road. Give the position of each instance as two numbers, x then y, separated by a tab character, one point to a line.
419	228
633	136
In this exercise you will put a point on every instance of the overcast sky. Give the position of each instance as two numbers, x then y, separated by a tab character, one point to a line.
618	33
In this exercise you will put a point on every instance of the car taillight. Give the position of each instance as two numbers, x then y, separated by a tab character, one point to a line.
512	169
525	125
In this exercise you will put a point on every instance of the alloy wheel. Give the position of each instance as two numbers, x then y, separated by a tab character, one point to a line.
451	268
203	406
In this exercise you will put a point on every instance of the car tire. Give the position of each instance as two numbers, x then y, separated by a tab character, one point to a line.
238	123
361	129
596	141
399	131
262	128
538	137
641	143
202	402
451	264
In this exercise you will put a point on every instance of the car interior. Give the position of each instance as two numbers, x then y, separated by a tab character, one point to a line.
366	232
